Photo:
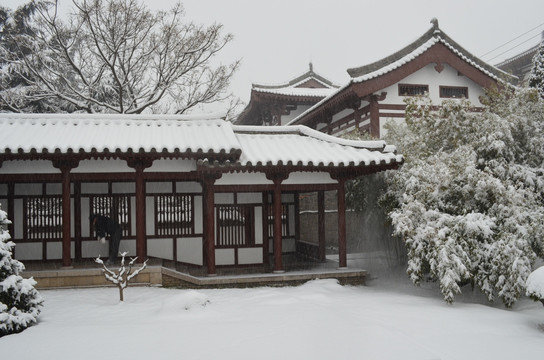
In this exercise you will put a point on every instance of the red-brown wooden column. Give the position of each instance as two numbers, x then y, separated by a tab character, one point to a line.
321	223
65	165
375	114
139	164
209	221
277	178
342	248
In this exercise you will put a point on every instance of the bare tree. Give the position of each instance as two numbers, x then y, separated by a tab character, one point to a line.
123	275
117	56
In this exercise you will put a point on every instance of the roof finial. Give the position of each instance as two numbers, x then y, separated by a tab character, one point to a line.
434	21
311	67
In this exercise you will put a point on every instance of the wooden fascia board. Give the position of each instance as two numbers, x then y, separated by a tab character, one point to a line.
437	54
332	106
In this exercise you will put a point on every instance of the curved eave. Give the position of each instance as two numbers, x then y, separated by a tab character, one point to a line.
44	154
349	170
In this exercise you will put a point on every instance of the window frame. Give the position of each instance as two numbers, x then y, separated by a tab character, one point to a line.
447	87
412	86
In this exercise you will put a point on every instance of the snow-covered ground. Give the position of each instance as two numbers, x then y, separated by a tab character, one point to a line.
389	319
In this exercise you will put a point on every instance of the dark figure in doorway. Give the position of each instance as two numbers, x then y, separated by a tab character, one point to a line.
104	225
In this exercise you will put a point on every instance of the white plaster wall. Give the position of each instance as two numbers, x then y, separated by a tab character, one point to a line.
224	256
53	189
188	187
123	188
158	187
133	214
244	179
250	256
199	226
28	166
102	166
250	198
17	219
94	188
161	248
28	251
189	250
258	225
224	198
429	76
299	110
94	248
172	165
28	189
300	177
128	245
150	215
85	217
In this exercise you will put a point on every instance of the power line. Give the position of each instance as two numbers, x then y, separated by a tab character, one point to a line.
506	43
512	48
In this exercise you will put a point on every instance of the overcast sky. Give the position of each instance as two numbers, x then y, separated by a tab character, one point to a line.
276	39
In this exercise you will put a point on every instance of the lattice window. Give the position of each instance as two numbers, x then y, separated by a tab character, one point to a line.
116	207
174	215
234	225
43	217
412	89
453	92
284	220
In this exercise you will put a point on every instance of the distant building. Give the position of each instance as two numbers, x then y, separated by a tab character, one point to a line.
521	64
280	103
434	64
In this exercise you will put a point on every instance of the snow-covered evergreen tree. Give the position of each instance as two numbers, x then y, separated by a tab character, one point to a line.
20	302
469	200
536	78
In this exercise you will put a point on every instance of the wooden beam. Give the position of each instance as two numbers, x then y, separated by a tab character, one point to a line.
321	223
342	248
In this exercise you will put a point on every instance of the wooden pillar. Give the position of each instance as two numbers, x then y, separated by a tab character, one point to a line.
277	178
65	165
342	248
297	216
141	243
375	113
139	164
77	219
11	209
209	222
266	235
278	261
321	223
374	117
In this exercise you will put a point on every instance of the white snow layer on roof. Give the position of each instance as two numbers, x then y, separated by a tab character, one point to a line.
103	132
414	54
297	91
394	65
297	145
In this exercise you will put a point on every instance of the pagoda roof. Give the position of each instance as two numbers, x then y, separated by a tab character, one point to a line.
434	46
214	143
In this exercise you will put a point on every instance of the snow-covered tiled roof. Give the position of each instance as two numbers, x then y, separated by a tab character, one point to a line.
302	146
45	134
433	36
297	91
49	133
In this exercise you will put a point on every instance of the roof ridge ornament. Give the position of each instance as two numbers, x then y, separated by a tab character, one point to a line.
434	21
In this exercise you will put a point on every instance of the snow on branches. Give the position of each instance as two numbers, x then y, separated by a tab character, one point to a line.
122	277
20	302
469	201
